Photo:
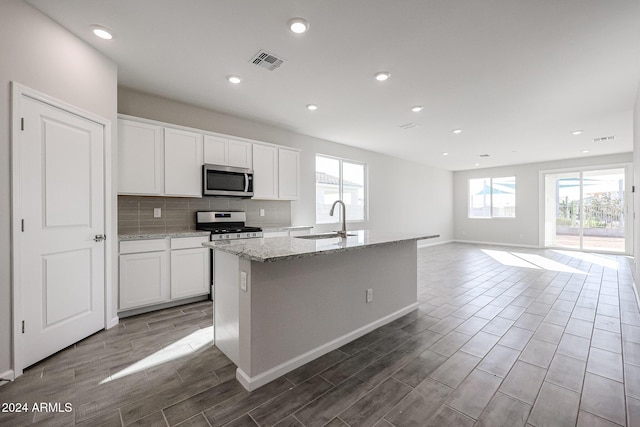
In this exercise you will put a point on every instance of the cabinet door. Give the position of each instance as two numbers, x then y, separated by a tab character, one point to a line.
265	172
288	174
216	150
189	272
144	279
240	154
268	234
183	163
140	158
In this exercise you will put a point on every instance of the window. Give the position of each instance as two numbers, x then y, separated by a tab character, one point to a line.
492	197
339	179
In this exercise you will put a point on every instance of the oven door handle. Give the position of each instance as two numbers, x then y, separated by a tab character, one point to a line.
246	182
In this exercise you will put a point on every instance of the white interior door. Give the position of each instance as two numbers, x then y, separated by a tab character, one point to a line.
62	273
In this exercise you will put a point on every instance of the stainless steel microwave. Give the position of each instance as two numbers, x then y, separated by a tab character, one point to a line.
226	181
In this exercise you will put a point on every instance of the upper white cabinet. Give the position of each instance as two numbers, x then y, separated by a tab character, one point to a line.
265	171
160	159
288	174
240	154
276	172
183	163
140	158
227	152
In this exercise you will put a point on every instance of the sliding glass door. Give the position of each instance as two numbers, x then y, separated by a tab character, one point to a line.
586	209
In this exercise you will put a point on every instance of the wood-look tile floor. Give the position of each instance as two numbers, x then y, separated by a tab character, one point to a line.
502	337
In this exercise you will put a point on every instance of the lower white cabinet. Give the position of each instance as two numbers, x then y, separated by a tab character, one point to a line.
189	272
157	271
285	233
144	273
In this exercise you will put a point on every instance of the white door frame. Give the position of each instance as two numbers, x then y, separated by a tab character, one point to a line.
19	91
628	202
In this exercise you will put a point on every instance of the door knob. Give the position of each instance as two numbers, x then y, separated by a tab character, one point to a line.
99	237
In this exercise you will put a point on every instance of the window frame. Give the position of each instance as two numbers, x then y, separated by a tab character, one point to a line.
365	172
491	204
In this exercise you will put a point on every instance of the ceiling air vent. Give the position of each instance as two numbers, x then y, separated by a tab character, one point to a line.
604	139
266	60
408	126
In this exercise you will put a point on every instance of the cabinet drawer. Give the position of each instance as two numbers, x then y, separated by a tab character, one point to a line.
188	242
149	245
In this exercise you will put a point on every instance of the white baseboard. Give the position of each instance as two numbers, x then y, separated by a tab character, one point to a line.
252	383
426	243
514	245
7	375
113	322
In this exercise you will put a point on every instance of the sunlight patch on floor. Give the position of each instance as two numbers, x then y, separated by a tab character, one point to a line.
183	347
601	260
549	264
506	258
524	260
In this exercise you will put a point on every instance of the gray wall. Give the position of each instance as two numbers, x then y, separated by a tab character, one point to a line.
524	229
403	196
40	54
636	182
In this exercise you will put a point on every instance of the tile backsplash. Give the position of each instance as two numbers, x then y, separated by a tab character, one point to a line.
135	213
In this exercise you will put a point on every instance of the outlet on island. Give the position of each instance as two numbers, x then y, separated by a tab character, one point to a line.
369	295
157	212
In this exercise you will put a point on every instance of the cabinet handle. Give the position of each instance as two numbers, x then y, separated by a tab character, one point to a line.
99	237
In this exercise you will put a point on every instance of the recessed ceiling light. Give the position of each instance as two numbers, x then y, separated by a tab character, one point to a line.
457	131
476	164
576	132
102	32
298	25
234	79
382	76
584	151
417	108
445	154
312	107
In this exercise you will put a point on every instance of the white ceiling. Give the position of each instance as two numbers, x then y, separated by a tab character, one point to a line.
517	76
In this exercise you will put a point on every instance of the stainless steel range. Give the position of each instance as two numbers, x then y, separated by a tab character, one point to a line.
226	225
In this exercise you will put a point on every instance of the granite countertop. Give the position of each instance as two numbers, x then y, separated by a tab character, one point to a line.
161	234
287	228
286	248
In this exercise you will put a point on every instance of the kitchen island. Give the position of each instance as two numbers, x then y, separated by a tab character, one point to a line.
281	302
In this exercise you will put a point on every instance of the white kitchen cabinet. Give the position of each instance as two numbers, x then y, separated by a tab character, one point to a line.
140	158
268	234
240	154
144	273
303	232
265	171
190	274
216	150
288	174
182	163
286	233
227	152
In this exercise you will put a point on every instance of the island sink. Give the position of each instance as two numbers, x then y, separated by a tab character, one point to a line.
323	236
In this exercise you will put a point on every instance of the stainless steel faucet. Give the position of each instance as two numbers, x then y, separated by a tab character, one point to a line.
343	232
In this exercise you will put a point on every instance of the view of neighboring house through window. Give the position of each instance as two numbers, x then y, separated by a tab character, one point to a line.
340	179
492	197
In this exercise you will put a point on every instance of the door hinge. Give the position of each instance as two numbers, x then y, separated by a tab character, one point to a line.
22	225
21	123
23	326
